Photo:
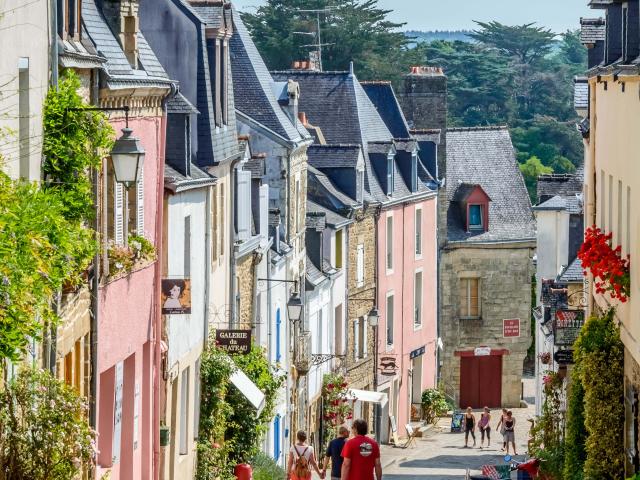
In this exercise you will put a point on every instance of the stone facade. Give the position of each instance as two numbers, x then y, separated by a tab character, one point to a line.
245	277
505	292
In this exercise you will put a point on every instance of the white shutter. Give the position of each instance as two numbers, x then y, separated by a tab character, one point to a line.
264	210
360	265
244	205
118	208
140	203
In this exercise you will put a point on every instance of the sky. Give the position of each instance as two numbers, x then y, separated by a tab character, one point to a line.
558	15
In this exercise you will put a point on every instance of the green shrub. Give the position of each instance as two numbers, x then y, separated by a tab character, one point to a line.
576	433
434	404
265	468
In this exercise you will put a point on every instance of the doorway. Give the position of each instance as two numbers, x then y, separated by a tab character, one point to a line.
481	381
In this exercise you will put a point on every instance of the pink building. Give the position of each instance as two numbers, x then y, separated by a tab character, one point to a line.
126	340
406	267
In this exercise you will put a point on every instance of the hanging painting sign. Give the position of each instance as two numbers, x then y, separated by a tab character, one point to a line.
234	341
388	366
176	296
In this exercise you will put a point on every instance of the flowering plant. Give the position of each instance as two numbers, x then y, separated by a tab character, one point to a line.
336	404
610	271
545	358
551	381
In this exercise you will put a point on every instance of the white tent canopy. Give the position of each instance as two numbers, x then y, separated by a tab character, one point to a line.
367	396
248	389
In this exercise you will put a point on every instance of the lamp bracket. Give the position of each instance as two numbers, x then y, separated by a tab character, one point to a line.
320	358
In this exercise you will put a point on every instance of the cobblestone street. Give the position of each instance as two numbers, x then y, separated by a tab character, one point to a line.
441	455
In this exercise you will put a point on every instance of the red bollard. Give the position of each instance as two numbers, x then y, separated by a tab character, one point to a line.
243	471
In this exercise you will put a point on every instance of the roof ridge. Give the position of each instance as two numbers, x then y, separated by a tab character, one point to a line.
375	82
311	72
478	128
335	145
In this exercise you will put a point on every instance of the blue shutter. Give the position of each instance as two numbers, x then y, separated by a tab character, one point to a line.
278	324
276	437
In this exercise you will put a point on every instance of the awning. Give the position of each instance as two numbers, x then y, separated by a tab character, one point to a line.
368	396
249	390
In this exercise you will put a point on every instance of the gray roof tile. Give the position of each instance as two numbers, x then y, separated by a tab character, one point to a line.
564	184
333	219
593	30
180	105
580	93
573	273
334	156
485	156
384	99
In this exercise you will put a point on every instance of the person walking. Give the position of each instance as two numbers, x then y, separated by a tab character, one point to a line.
484	425
334	453
301	459
500	428
469	427
509	432
361	455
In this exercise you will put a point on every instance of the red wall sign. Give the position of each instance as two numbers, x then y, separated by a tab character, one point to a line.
511	327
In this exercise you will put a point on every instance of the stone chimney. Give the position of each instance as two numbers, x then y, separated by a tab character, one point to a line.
291	107
122	17
424	103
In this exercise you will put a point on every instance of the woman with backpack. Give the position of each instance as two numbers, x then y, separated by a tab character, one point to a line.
301	459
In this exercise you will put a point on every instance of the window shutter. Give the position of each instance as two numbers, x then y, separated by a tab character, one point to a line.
360	265
365	337
356	338
118	221
140	203
244	205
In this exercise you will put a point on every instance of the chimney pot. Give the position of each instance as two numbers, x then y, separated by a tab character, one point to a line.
302	116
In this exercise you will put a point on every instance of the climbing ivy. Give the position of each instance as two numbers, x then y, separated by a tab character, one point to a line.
74	144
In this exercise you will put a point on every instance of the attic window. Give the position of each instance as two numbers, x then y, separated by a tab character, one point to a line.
414	172
390	179
475	217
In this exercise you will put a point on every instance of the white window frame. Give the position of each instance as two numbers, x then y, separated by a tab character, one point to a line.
388	258
479	226
360	265
417	235
390	295
390	175
185	380
418	326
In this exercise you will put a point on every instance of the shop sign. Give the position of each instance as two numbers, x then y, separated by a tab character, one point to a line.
482	351
567	325
176	296
234	341
511	327
563	357
388	366
417	352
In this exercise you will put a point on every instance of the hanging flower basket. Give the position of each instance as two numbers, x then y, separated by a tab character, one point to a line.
545	358
610	271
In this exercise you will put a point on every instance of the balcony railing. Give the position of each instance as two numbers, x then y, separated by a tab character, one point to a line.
302	353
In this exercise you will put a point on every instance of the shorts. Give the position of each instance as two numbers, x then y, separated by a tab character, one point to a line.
509	436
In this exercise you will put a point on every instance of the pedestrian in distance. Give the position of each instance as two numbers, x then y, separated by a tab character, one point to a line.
500	428
469	427
484	425
334	453
509	432
302	459
361	455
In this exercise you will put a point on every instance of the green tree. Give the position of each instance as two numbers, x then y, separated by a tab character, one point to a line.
525	42
356	30
531	170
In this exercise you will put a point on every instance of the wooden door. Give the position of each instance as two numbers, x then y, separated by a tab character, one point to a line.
481	381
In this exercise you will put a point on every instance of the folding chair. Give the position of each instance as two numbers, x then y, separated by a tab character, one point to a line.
411	436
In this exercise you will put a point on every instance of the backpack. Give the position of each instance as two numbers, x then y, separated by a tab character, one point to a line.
301	468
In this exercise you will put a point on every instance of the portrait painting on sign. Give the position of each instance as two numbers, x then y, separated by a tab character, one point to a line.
176	296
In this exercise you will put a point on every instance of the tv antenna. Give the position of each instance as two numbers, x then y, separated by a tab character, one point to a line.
318	45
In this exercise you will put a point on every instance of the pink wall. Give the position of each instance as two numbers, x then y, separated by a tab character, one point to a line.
126	330
401	282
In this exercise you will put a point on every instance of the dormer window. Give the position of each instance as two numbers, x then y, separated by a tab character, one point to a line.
414	172
69	18
475	217
360	185
390	179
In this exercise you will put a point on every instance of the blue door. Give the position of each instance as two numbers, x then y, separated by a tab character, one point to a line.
278	325
276	438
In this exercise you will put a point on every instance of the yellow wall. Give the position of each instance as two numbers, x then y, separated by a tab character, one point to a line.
614	154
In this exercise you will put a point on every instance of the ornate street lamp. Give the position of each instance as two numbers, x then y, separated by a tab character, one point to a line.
294	307
373	317
127	157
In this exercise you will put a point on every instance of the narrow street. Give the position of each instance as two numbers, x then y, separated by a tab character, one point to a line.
441	455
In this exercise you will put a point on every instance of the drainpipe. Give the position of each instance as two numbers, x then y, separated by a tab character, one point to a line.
53	5
232	238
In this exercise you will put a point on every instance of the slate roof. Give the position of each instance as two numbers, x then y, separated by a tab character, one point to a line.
313	275
573	273
463	191
211	15
180	105
384	99
580	93
328	189
485	156
79	54
258	94
564	185
177	182
333	219
256	166
119	71
593	30
334	156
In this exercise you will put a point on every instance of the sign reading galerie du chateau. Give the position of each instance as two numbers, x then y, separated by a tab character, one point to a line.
234	341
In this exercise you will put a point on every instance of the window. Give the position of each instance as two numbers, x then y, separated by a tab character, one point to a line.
134	197
214	225
224	81
602	203
339	331
69	18
187	246
184	412
625	32
390	176
218	84
297	210
278	335
389	243
362	337
417	299
418	227
356	339
276	438
360	186
339	239
619	226
628	222
114	205
24	134
414	173
610	205
475	217
389	319
360	266
470	298
196	401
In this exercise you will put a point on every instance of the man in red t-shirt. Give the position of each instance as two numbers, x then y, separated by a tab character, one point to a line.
361	455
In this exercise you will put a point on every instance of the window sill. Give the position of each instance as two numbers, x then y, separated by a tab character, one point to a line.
418	256
469	318
417	326
389	271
